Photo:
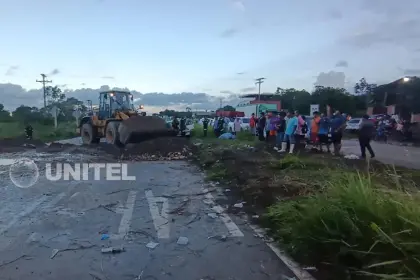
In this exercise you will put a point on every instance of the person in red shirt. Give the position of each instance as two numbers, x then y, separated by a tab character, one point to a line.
253	123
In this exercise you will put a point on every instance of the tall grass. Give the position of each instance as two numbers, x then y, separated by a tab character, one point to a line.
353	225
41	131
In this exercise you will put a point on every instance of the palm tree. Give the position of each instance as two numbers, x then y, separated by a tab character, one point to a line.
188	109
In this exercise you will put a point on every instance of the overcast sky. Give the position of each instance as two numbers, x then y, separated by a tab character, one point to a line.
216	47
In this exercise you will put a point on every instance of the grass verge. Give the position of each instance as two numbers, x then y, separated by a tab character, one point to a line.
349	219
41	132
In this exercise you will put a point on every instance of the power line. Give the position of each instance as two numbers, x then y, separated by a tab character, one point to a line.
44	81
258	82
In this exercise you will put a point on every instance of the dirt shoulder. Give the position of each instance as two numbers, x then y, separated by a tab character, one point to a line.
327	212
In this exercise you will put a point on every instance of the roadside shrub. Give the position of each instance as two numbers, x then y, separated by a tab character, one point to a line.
353	225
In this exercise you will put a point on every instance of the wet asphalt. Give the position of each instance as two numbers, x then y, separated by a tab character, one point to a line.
57	230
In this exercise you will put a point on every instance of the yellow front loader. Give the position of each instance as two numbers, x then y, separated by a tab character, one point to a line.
118	121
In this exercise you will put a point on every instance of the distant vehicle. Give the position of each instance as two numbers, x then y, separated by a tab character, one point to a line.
230	114
244	124
353	124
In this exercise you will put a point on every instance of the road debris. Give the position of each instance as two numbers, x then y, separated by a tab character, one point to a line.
182	240
351	157
208	201
54	253
152	245
140	275
238	205
212	215
112	250
219	237
105	236
309	268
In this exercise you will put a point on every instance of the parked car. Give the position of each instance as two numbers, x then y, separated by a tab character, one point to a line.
244	124
353	124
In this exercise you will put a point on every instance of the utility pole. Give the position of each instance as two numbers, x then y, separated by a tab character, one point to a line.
221	102
258	82
44	81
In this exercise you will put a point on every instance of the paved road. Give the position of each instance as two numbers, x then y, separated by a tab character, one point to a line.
161	205
405	156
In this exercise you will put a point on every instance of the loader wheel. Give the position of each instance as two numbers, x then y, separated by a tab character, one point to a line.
111	134
88	135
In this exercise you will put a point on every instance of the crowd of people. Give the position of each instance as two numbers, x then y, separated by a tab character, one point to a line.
289	130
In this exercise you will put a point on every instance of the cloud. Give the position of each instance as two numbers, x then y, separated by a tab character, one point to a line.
248	89
240	73
108	78
229	33
239	6
14	96
11	71
387	22
335	14
412	72
331	79
342	63
54	72
226	92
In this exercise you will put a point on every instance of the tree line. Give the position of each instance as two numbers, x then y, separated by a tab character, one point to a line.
55	98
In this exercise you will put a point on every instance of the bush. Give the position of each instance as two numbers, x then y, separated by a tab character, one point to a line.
353	224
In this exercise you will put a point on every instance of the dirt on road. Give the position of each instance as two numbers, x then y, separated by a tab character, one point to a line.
165	148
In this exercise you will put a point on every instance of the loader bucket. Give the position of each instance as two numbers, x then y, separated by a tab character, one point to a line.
141	128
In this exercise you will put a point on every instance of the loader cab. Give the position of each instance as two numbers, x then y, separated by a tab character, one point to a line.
111	101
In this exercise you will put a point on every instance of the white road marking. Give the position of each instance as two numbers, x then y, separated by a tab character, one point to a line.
160	220
233	229
291	264
22	214
127	216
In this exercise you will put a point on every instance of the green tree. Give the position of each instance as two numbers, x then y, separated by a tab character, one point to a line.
228	108
363	88
54	95
337	98
4	114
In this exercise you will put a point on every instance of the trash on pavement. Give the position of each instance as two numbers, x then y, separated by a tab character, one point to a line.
152	245
182	240
112	250
313	268
208	201
255	216
227	190
212	215
351	157
105	236
238	205
54	253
